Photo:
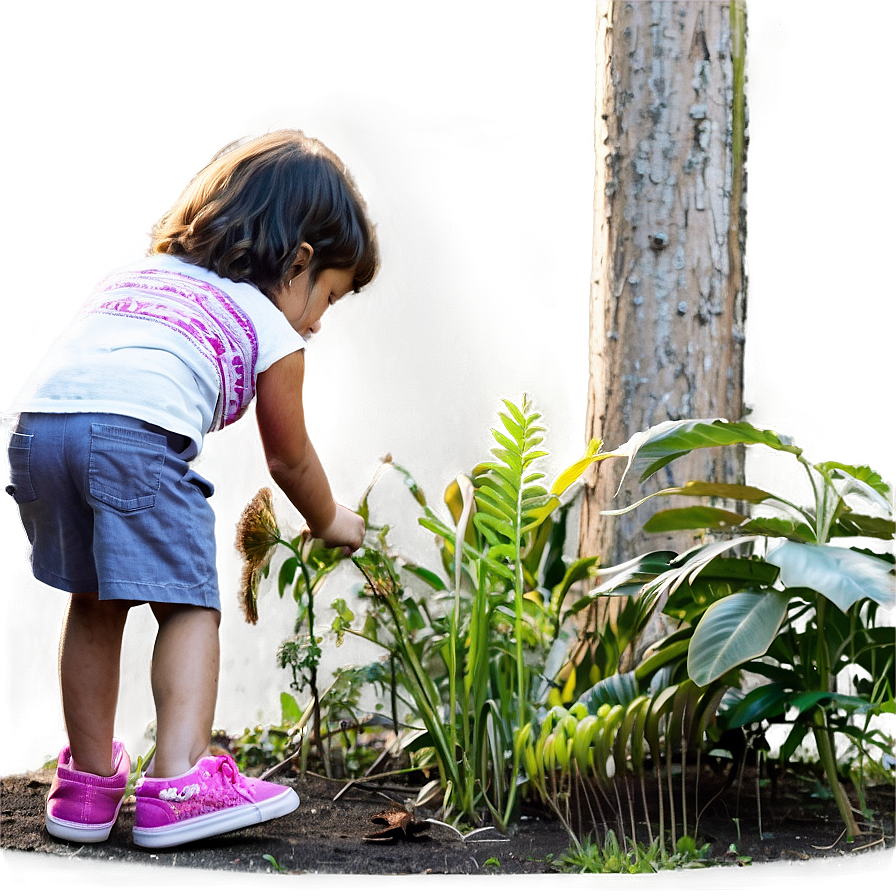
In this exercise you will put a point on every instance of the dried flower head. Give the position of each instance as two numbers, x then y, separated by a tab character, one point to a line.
257	535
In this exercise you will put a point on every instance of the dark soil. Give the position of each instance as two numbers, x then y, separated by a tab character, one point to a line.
326	836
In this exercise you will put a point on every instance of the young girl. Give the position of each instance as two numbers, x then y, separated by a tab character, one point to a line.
240	271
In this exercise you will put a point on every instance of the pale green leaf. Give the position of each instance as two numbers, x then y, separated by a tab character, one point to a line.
498	525
696	517
698	489
733	630
654	448
508	443
842	575
515	412
488	499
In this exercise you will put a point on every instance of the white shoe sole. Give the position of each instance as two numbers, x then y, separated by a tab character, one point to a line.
80	833
220	822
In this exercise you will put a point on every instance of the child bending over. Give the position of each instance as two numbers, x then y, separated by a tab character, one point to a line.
239	273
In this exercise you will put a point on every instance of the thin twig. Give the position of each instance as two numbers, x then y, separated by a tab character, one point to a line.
465	837
842	833
279	765
880	842
358	782
372	719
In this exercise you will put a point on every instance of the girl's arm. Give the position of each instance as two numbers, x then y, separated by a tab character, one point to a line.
291	457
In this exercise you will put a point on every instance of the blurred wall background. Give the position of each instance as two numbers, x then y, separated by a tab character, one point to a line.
469	127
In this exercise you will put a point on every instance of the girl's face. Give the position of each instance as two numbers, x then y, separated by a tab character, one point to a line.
304	304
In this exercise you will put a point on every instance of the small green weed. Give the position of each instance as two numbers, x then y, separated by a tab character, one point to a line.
613	858
278	868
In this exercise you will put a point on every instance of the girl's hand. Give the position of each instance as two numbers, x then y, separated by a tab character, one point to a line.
346	530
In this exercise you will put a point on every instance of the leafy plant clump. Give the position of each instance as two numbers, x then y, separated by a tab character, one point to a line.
799	610
485	684
462	646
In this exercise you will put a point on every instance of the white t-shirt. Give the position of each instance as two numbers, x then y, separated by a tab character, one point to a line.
143	346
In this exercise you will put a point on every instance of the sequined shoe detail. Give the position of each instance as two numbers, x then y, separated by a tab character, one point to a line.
83	807
212	798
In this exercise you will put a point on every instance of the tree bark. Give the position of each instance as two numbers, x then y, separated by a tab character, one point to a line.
668	296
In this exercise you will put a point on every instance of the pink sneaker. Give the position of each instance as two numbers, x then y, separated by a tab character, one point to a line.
83	807
212	798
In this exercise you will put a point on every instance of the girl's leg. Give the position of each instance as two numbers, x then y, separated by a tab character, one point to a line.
184	685
89	668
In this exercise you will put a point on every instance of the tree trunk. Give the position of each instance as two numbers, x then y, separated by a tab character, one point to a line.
668	295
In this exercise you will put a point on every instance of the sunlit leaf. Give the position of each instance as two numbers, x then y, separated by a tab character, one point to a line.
572	473
733	630
695	517
654	448
699	489
842	575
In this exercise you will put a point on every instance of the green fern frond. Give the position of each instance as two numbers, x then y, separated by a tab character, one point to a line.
507	500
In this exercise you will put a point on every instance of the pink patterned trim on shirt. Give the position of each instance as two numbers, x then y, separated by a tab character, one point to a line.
206	316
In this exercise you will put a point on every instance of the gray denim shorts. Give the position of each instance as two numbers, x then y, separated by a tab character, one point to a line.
109	504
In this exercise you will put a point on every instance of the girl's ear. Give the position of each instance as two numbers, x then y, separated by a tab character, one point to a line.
303	257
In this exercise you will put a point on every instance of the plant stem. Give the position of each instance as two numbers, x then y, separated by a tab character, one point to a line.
823	737
312	676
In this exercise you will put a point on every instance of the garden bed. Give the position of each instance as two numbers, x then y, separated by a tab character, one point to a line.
326	836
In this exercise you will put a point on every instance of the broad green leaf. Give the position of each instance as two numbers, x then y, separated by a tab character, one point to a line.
765	702
670	652
859	480
654	448
425	575
842	575
638	571
855	525
707	711
692	563
620	689
699	489
287	574
720	578
691	599
554	662
695	517
810	699
733	630
290	712
775	527
798	732
579	569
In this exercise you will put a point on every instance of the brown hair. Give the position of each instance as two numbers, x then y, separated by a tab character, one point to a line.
245	215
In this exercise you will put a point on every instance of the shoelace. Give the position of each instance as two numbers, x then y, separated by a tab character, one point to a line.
227	766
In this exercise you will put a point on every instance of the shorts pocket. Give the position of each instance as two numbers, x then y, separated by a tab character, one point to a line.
125	466
206	487
19	452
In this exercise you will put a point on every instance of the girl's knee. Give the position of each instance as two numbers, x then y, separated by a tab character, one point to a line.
88	605
186	614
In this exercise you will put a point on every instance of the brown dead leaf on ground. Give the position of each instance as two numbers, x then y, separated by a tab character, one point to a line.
396	824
